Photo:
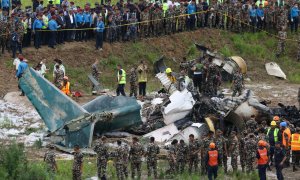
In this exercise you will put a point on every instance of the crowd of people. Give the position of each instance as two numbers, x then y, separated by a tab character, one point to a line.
55	22
259	146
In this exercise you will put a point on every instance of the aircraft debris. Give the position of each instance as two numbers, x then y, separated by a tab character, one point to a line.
273	69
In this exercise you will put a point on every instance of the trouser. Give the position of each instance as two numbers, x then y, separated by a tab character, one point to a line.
70	33
191	21
37	39
136	166
27	38
52	39
120	90
45	37
193	162
133	89
99	40
197	80
76	174
16	46
60	37
288	156
279	172
272	153
262	169
101	167
152	167
212	172
295	158
253	23
225	163
142	88
79	33
294	24
260	23
119	171
86	32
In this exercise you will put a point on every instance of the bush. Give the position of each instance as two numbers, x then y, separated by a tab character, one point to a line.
14	164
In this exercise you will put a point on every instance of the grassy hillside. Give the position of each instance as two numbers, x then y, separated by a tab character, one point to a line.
257	49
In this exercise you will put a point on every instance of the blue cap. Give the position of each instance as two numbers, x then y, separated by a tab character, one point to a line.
283	124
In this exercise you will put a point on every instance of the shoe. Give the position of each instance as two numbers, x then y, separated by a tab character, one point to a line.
101	49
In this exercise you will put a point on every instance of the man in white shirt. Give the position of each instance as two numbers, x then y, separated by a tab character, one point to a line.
43	67
17	61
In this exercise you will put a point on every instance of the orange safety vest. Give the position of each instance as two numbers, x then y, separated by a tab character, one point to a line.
66	89
295	142
288	132
263	159
213	158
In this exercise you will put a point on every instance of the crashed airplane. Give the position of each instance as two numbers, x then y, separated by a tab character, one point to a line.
165	117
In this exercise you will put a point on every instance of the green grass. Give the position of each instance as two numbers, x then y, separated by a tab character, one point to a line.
90	170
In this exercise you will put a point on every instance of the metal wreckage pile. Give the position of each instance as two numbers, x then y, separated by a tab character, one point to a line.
165	116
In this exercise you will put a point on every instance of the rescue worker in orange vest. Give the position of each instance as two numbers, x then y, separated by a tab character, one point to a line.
262	156
295	146
65	86
286	141
212	159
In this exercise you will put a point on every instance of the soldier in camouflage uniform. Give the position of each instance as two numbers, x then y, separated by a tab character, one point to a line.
49	158
194	149
250	146
119	155
230	17
282	35
3	34
172	156
118	20
169	21
58	76
112	30
211	77
237	17
237	83
133	82
77	163
135	155
182	18
221	145
200	15
157	23
101	149
243	150
281	20
204	148
125	160
211	18
251	124
145	19
221	12
181	156
151	153
234	150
